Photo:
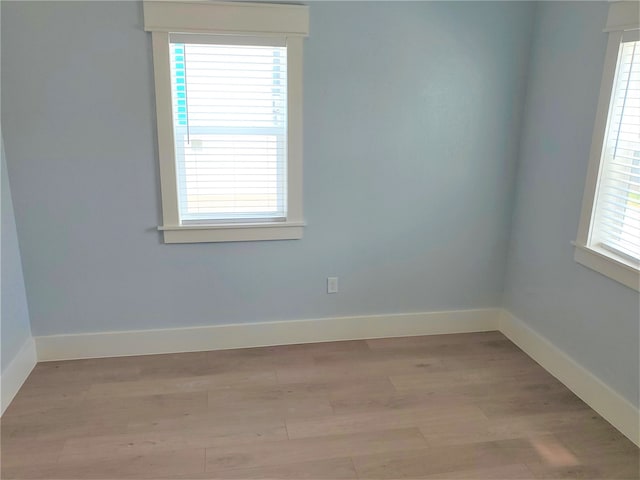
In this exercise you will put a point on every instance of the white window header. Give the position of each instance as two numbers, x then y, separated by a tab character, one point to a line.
623	16
226	17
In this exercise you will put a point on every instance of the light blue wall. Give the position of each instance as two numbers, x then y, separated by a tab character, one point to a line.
14	314
411	125
592	318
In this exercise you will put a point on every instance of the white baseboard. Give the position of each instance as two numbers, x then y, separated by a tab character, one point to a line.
220	337
14	375
603	399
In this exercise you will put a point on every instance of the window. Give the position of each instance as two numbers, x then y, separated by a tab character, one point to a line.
228	80
609	235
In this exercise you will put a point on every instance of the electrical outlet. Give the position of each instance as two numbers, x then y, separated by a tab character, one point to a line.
332	285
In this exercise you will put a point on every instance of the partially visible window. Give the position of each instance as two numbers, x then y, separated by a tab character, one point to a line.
616	224
229	106
609	236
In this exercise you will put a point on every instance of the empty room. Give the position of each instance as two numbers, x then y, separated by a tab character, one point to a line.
320	239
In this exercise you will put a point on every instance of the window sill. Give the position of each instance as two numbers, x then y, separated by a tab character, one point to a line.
608	264
237	232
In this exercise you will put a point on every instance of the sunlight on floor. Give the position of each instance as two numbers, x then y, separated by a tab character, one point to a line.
554	453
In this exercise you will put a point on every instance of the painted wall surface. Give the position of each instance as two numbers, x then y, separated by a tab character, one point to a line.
14	314
592	318
411	124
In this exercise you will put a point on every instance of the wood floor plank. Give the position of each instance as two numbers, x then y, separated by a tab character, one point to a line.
384	401
282	356
598	467
140	407
216	423
325	469
505	472
109	446
56	430
438	461
181	384
597	437
558	401
378	420
279	401
471	339
28	451
151	465
355	371
478	375
82	372
341	388
33	399
313	449
441	432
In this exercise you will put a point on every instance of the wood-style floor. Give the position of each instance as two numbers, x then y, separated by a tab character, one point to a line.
449	406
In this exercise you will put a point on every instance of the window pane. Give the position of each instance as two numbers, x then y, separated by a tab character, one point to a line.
230	127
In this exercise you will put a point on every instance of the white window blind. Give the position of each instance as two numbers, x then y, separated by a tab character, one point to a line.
617	211
230	128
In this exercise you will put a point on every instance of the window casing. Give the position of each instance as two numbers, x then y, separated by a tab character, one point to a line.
228	80
608	238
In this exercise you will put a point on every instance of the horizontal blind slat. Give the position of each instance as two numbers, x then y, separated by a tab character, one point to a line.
616	214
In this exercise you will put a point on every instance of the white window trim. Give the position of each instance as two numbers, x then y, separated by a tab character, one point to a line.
252	19
622	16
